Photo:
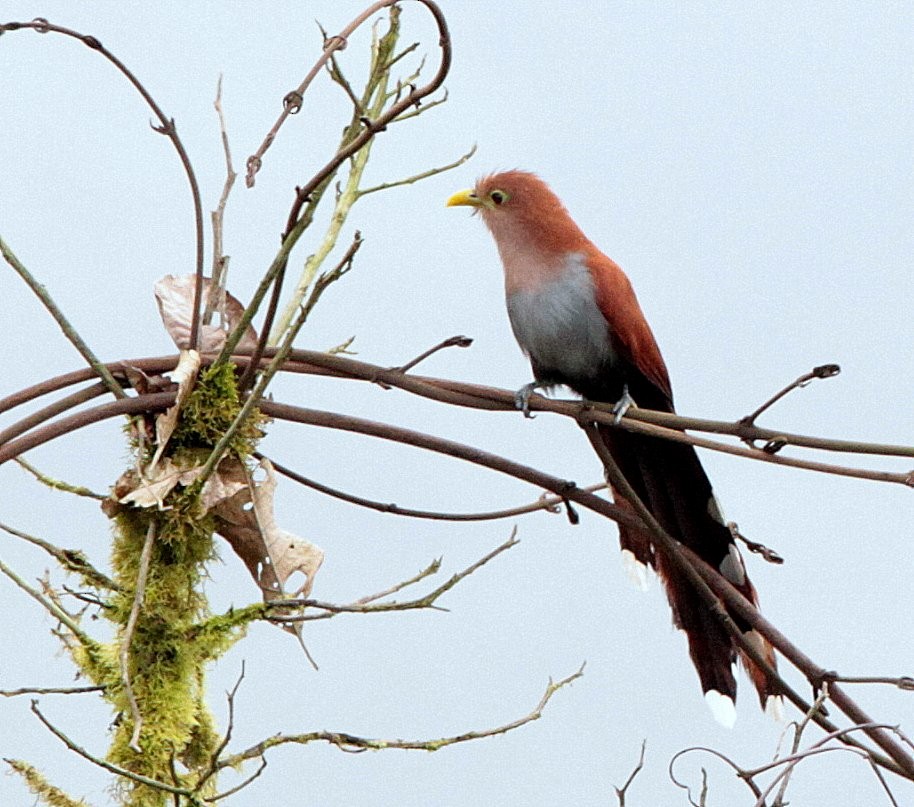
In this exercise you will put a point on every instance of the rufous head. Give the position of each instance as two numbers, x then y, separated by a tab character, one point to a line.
518	205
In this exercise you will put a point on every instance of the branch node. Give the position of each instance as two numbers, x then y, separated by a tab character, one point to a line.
775	445
292	102
826	370
337	42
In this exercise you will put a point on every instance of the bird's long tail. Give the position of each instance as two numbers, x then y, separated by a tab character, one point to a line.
669	479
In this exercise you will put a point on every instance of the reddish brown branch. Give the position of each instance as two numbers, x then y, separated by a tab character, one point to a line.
166	127
700	575
548	503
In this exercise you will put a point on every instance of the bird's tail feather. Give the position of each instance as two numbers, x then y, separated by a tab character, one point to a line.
670	481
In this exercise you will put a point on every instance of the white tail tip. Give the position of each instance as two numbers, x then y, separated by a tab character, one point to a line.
722	707
635	570
774	708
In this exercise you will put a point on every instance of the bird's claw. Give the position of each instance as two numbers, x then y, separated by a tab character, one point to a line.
622	406
522	398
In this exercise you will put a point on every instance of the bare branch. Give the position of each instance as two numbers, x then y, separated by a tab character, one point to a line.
903	682
58	484
428	571
232	791
822	371
451	341
12	693
622	791
166	127
101	763
72	560
213	766
68	330
351	742
368	605
422	174
704	774
548	503
216	299
52	608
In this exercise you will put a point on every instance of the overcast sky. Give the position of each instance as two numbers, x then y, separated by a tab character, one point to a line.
749	165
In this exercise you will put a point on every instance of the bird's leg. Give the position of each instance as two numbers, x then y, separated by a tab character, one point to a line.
622	406
522	396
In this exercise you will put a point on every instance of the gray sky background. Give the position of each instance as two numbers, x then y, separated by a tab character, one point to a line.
749	165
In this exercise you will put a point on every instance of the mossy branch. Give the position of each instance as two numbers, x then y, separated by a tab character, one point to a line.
59	484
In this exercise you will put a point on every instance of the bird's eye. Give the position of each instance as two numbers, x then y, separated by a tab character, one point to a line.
499	197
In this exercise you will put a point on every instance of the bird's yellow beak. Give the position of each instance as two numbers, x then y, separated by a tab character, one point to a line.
467	198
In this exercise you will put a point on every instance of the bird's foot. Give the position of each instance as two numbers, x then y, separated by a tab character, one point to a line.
522	397
622	406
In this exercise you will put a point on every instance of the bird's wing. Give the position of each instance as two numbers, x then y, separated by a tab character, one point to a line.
632	336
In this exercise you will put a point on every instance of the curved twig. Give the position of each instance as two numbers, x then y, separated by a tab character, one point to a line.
547	503
296	221
166	127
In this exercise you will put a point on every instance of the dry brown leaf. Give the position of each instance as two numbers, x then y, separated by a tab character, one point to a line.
156	483
175	298
272	554
184	376
231	476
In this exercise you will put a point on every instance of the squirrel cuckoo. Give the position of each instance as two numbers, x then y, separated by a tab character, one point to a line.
575	315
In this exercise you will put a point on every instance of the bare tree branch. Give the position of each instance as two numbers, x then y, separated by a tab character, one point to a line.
351	742
166	127
622	791
101	763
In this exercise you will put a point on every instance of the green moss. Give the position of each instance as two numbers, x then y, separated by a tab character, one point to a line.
210	409
45	792
165	668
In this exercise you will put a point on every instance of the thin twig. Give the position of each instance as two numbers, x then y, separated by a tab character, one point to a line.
216	298
370	606
822	371
127	638
452	341
214	760
622	791
241	786
428	571
420	176
115	769
52	608
902	682
704	774
166	127
68	330
546	502
59	484
12	693
72	560
351	742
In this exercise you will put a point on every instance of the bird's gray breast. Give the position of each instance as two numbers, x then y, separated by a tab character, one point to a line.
559	325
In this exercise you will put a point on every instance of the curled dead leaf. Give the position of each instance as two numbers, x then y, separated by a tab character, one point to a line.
175	298
184	376
272	555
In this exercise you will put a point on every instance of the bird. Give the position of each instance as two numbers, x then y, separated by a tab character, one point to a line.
575	315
